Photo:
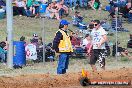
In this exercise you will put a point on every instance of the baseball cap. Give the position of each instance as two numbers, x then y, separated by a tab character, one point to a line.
64	22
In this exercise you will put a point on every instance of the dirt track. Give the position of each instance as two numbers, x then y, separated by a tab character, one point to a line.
70	80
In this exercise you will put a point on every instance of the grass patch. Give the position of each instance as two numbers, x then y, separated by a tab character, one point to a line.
124	59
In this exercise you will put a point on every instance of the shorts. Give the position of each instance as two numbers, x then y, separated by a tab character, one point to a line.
98	55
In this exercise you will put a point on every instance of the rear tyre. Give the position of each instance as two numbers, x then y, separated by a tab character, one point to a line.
84	81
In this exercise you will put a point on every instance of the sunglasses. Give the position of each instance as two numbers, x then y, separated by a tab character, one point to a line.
95	24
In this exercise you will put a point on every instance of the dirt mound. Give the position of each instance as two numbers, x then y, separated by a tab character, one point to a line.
70	80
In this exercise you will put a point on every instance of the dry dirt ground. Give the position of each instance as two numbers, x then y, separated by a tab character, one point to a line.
69	80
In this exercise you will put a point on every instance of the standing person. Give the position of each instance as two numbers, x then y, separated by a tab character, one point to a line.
62	45
99	37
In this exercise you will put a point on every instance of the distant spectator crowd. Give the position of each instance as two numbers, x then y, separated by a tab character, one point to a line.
120	7
59	8
55	8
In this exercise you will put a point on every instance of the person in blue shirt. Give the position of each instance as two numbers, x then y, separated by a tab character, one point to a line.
3	52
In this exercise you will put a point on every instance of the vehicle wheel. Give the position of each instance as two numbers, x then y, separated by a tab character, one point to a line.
84	81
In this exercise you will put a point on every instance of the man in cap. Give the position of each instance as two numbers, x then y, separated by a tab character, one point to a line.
62	45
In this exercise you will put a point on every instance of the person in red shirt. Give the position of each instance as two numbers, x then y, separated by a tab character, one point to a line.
75	40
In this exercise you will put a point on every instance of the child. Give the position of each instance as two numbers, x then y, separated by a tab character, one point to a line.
49	54
75	40
87	43
34	39
39	48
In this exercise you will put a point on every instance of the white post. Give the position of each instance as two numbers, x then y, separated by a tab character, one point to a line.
116	30
10	33
43	38
116	38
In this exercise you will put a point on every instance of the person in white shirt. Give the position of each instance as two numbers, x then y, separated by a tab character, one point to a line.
86	44
99	37
86	40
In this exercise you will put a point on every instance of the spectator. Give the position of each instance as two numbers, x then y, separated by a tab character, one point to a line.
31	7
2	6
77	18
15	9
39	48
126	54
95	4
124	10
29	3
34	39
75	40
39	43
120	51
87	43
3	52
48	12
62	9
6	47
2	12
36	8
52	12
21	5
50	53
